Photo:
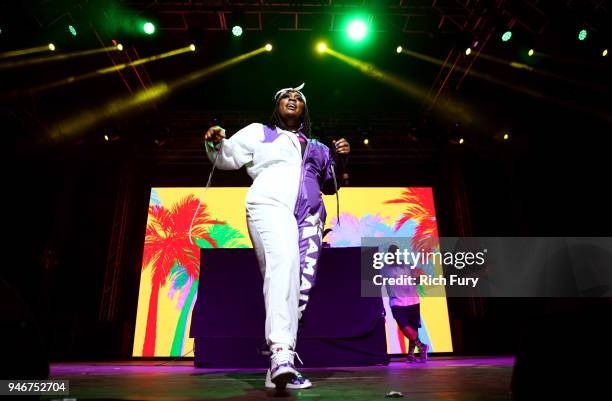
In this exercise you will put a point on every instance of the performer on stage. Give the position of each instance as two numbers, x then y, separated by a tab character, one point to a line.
406	307
285	215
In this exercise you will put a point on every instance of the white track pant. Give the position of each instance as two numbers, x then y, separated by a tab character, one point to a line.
274	233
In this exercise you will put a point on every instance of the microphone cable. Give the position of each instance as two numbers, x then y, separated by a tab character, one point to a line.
205	190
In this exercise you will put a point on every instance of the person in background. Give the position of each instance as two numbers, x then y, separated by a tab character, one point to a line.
406	307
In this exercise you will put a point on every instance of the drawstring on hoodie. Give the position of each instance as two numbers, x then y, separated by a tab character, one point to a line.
337	194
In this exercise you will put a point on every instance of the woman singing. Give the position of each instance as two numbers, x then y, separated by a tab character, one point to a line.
285	215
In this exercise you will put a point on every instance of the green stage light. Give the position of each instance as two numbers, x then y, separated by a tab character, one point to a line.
51	47
531	52
399	49
72	30
148	28
237	30
507	36
582	35
268	47
321	47
604	53
357	30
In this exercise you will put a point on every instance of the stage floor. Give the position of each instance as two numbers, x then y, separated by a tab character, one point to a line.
442	378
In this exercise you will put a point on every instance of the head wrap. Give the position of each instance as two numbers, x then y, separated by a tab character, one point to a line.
285	90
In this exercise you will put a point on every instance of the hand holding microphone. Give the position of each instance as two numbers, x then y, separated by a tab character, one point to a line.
214	134
342	146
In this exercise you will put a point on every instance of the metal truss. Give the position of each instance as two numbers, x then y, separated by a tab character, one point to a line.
111	286
393	134
417	16
488	18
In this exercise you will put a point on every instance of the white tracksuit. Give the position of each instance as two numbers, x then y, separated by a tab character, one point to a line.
277	208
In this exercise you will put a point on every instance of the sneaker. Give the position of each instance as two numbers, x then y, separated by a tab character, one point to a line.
410	358
282	369
423	353
299	383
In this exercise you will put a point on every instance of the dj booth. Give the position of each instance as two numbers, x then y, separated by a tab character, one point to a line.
339	327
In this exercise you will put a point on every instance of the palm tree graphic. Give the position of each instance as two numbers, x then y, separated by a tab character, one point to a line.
419	207
224	236
167	245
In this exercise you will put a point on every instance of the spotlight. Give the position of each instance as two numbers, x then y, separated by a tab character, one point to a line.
461	141
506	137
366	141
119	47
268	47
72	30
506	36
192	47
111	137
531	52
468	51
604	53
321	47
148	28
399	49
582	35
237	21
237	30
51	47
357	30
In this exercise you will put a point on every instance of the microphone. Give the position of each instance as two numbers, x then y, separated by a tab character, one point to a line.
215	121
345	174
343	161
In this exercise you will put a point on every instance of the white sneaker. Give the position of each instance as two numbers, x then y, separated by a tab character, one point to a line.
299	383
282	368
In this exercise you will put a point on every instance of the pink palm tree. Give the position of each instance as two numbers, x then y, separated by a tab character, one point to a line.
167	243
419	207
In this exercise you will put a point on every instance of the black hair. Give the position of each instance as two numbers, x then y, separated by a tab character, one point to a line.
276	120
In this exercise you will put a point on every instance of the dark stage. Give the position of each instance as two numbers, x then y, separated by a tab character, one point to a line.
441	378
